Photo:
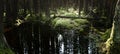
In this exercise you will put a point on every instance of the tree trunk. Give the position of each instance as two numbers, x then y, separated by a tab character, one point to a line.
4	48
113	43
2	39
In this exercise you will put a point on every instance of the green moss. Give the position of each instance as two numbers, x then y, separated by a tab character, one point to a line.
106	35
6	51
69	23
79	24
66	23
81	21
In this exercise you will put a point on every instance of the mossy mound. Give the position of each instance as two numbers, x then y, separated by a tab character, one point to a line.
66	23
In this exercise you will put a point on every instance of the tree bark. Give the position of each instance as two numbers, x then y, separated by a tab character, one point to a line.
4	48
113	43
2	41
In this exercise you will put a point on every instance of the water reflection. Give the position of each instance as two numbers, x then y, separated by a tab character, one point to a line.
61	44
70	43
66	42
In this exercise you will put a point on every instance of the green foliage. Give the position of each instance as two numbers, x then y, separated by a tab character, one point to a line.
31	17
26	14
71	12
106	35
78	24
66	23
6	51
44	18
83	14
81	21
69	23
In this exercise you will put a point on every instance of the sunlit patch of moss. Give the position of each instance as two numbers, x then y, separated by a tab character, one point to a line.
79	24
66	23
81	21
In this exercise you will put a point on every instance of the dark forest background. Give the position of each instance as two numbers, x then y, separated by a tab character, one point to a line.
33	26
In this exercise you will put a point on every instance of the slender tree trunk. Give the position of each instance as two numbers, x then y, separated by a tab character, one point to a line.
113	43
2	39
4	48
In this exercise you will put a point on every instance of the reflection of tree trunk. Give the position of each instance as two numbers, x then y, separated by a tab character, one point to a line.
113	43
